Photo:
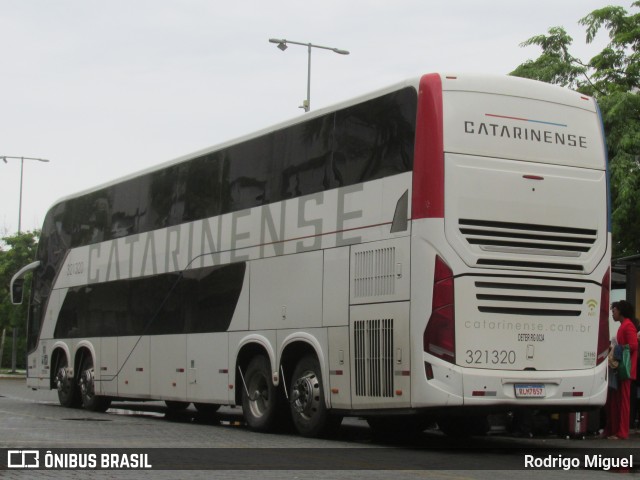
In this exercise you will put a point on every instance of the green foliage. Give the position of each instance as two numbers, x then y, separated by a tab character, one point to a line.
617	67
16	251
555	64
612	76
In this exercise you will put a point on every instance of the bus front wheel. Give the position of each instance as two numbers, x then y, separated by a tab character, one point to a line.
259	395
68	391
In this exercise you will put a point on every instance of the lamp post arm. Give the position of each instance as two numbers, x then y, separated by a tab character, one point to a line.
312	45
282	45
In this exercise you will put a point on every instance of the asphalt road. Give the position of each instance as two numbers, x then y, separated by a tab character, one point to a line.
180	442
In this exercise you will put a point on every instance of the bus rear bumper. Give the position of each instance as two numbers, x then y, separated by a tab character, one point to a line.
574	387
483	387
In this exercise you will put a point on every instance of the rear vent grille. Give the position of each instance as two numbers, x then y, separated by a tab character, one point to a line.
374	273
532	265
529	299
495	239
508	237
373	350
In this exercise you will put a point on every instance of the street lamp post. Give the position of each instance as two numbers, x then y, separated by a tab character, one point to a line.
282	45
14	342
22	159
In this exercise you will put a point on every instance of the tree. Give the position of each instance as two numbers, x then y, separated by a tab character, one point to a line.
613	78
16	251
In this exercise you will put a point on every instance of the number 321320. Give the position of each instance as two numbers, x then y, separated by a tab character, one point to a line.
490	357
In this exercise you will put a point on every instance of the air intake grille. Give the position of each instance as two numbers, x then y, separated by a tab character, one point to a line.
374	273
373	349
529	299
548	241
534	239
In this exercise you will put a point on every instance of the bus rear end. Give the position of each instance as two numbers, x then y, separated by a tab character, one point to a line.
511	232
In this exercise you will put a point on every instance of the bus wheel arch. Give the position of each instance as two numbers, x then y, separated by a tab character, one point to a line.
246	353
256	390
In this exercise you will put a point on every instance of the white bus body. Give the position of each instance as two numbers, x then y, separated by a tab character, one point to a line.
476	277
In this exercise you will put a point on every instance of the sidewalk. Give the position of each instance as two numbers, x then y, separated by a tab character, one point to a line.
18	375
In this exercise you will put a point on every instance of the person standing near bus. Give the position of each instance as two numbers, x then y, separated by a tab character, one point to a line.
635	385
618	402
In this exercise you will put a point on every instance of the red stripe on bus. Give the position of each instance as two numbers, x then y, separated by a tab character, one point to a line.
428	159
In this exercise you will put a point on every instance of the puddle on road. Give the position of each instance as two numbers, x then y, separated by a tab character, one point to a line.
136	413
89	419
186	416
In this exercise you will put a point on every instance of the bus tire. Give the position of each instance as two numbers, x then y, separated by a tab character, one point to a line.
260	404
68	391
308	408
87	387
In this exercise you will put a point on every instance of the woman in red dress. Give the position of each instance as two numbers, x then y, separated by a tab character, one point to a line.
618	402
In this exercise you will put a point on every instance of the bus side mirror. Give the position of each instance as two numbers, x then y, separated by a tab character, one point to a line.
16	291
17	282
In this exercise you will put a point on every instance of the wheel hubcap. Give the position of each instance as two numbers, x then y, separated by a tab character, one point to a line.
62	380
306	394
259	397
86	383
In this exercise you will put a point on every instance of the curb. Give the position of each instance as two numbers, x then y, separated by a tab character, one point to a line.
13	376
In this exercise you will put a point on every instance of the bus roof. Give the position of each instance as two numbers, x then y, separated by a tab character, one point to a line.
517	87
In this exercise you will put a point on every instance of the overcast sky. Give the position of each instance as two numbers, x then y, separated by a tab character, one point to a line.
106	88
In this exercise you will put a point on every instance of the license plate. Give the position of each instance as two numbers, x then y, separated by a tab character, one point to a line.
533	390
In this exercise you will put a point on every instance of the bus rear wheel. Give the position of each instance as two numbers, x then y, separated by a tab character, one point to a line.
259	395
87	384
308	408
68	391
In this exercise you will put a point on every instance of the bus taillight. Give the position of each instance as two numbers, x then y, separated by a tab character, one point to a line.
603	325
439	336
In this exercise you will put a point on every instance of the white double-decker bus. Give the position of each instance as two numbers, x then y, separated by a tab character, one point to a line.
438	249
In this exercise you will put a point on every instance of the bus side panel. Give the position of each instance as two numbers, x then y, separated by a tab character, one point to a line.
335	295
207	367
167	364
339	372
380	271
380	355
133	365
107	366
445	388
286	291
